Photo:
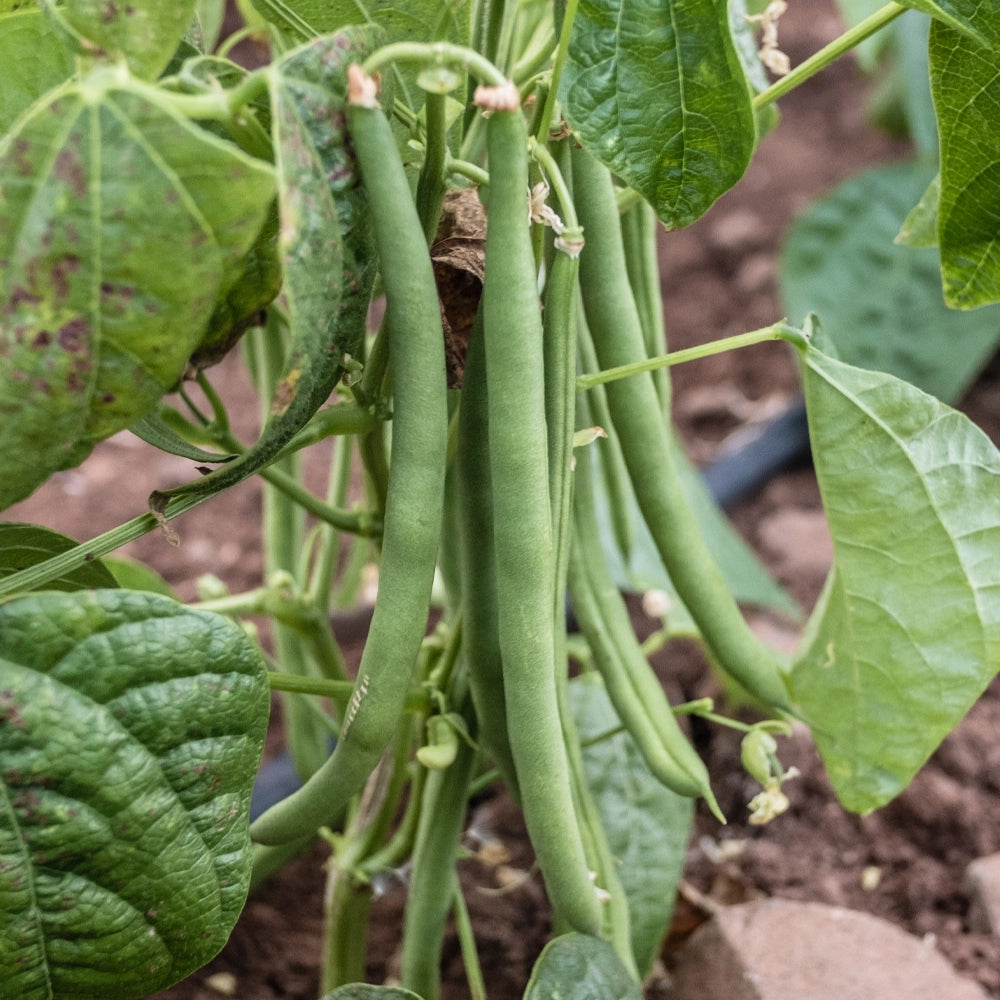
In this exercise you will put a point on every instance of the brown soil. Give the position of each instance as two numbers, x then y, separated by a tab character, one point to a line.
904	863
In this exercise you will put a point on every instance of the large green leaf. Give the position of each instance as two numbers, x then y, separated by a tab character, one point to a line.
366	991
578	967
143	32
966	88
120	223
881	303
24	545
647	826
907	633
654	89
34	60
131	729
324	242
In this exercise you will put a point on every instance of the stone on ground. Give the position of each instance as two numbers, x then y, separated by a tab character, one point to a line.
982	884
779	949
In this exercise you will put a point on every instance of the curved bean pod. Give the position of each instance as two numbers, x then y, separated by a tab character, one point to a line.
415	494
636	415
525	554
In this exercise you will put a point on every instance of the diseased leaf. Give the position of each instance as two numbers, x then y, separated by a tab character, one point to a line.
120	223
324	242
34	59
881	303
966	89
907	632
131	729
144	32
24	545
656	92
647	826
578	967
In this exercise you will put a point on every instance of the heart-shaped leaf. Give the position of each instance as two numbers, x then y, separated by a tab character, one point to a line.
906	635
656	92
131	729
120	224
881	303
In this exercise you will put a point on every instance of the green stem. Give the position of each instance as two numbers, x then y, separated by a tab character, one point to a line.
467	944
430	183
828	54
777	331
436	54
337	691
357	522
557	67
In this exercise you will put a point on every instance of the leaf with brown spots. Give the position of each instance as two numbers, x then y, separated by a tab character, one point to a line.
121	223
324	242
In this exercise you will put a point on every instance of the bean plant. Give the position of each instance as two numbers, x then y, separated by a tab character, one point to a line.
430	228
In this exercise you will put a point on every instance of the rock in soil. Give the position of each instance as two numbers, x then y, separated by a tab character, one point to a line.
780	949
982	886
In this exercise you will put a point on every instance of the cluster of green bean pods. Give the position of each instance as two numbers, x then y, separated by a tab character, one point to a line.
514	528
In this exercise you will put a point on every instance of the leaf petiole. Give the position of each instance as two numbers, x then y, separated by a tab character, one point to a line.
829	53
776	331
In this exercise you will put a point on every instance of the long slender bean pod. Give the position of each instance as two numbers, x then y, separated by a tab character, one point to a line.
523	529
415	494
480	635
634	690
635	411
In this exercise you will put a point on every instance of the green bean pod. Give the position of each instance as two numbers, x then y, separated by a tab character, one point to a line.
525	556
415	495
644	437
632	686
480	635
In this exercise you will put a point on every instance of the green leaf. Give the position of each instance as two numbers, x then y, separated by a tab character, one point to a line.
34	59
143	32
324	243
131	574
966	89
365	991
907	633
154	430
414	21
24	545
578	967
919	228
881	303
647	826
119	224
131	733
960	15
656	92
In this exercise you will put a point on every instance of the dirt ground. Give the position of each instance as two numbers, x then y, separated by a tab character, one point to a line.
904	863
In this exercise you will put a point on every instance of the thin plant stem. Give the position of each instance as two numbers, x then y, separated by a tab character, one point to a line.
467	943
557	68
829	53
777	331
